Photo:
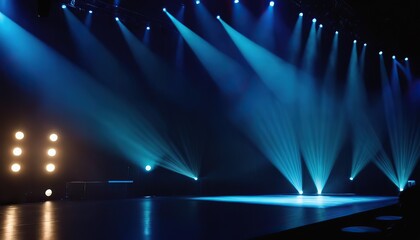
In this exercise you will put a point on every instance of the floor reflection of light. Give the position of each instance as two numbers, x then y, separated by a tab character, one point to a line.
47	221
10	223
147	212
298	200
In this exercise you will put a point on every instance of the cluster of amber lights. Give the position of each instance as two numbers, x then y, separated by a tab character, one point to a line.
17	153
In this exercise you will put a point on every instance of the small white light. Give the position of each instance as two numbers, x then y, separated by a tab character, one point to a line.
314	20
53	137
147	28
300	14
52	152
195	178
17	151
117	19
90	11
19	135
380	53
50	167
63	6
15	167
148	168
355	41
365	44
48	192
351	179
393	57
406	59
218	16
321	26
164	9
336	32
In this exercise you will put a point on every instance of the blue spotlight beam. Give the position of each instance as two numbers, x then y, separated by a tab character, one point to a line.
277	74
295	41
271	126
226	73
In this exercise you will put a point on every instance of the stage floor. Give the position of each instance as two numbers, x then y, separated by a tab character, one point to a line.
226	217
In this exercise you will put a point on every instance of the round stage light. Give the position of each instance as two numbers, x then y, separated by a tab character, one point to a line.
63	6
15	167
48	192
236	1
351	179
90	11
195	178
53	137
218	16
148	28
50	167
406	59
148	168
401	189
117	19
336	32
164	9
197	2
19	135
300	14
319	192
393	57
300	192
17	151
314	20
271	3
321	26
365	44
380	53
355	41
52	152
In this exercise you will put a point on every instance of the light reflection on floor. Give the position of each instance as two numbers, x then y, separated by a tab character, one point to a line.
320	201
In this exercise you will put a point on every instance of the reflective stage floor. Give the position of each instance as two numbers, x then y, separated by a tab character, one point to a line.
227	217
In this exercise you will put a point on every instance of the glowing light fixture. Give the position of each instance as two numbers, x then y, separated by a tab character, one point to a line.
48	192
355	41
90	11
314	20
19	135
15	167
351	179
272	3
148	28
197	2
218	16
117	19
164	9
53	137
380	53
148	168
236	1
401	189
195	178
52	152
301	192
321	26
17	151
393	57
300	14
336	32
365	44
50	167
63	6
406	59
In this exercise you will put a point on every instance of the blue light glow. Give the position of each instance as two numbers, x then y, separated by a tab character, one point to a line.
300	200
119	181
406	59
401	189
300	192
148	168
117	19
321	26
272	3
365	44
164	9
90	11
197	2
148	28
236	1
351	179
300	14
196	178
314	20
393	57
355	41
218	16
380	53
63	6
336	32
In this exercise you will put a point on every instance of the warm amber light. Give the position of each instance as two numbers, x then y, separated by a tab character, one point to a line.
19	135
50	167
15	167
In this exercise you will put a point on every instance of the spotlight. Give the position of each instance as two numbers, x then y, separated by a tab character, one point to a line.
300	14
236	1
319	192
336	32
401	189
63	6
365	44
300	192
90	11
15	167
380	53
19	135
48	192
314	20
218	16
164	9
117	19
51	152
406	59
148	28
355	41
195	178
17	151
393	57
53	137
197	2
50	167
271	3
351	179
321	26
148	168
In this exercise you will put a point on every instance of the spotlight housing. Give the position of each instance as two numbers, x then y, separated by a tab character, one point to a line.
117	19
406	59
321	26
314	20
300	14
218	16
148	168
48	192
50	167
164	9
365	44
63	6
336	32
53	137
393	57
355	41
272	3
351	179
197	2
17	151
236	1
196	178
90	11
148	28
380	53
